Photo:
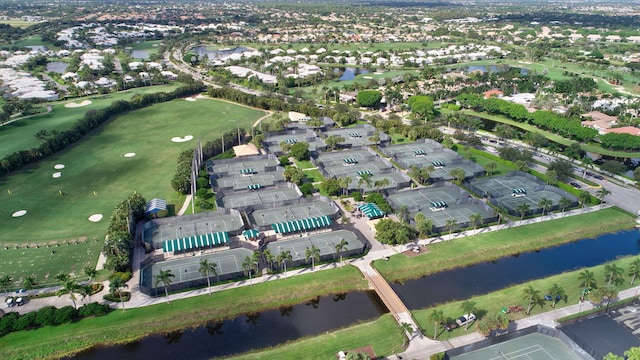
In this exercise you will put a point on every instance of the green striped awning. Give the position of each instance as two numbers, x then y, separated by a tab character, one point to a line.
195	242
371	210
254	186
251	233
301	224
363	172
419	152
246	171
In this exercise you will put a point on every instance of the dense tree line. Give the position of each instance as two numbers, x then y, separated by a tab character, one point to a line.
620	141
57	141
570	128
118	245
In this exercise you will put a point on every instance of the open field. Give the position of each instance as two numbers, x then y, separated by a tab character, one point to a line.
97	175
19	135
484	247
151	46
18	23
31	41
123	327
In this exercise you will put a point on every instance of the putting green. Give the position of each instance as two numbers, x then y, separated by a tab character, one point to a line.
97	176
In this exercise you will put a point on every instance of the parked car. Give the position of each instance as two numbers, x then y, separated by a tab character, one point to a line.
20	301
465	319
599	177
450	326
575	185
589	173
10	302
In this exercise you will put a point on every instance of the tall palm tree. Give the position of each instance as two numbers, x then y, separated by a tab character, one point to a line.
468	307
70	287
5	281
407	329
587	279
379	184
613	272
564	203
451	224
365	179
475	219
545	204
437	317
206	268
556	292
532	296
634	269
341	246
283	258
601	194
166	278
90	272
29	282
269	258
249	265
312	253
523	209
403	213
115	285
583	197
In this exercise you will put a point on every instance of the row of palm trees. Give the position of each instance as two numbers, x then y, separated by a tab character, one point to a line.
250	265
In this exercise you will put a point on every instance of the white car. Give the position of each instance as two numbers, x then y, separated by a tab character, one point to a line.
465	319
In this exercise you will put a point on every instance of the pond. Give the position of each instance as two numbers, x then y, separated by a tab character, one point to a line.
466	282
350	73
252	331
57	67
220	53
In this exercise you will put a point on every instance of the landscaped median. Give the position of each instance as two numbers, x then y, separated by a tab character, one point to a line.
123	327
494	245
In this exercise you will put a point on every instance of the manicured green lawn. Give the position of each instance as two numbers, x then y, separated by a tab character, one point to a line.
314	175
551	136
303	164
383	334
97	164
494	245
18	23
481	158
123	327
492	303
20	135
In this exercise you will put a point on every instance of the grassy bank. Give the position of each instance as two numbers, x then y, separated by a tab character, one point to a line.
123	327
494	245
383	334
514	295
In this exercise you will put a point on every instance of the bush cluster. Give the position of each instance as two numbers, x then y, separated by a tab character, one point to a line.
49	316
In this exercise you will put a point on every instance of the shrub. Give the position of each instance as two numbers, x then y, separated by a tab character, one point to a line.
94	309
25	321
7	321
46	316
126	296
202	183
65	315
306	189
357	195
126	276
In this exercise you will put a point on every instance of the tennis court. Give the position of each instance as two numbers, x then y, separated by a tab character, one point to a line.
232	167
159	230
470	168
291	213
354	136
326	242
529	347
336	158
409	150
260	196
421	199
229	262
240	182
338	171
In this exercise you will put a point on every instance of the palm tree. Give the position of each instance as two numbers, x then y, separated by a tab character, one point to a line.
437	317
522	209
365	179
545	204
269	258
70	286
588	163
451	224
207	267
5	281
165	277
532	296
556	292
613	272
475	219
468	307
490	167
564	203
249	265
29	282
283	258
408	329
90	272
62	277
341	246
601	194
403	213
587	279
312	253
115	285
634	269
583	197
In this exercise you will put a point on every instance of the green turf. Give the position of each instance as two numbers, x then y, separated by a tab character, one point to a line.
313	176
97	164
151	47
17	23
19	135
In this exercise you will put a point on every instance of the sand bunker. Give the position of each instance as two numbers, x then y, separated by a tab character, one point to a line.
59	166
182	139
77	105
95	217
190	99
129	155
56	174
19	213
